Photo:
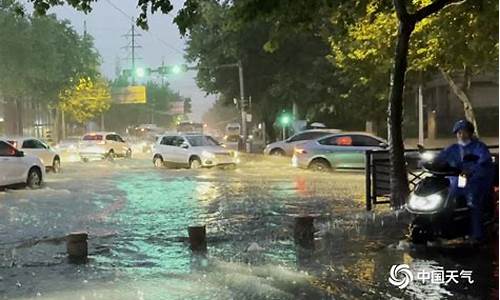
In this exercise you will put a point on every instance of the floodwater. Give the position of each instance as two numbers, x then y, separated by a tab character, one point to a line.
137	219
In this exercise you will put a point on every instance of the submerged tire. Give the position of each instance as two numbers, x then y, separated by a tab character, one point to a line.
320	165
277	152
34	179
158	162
195	163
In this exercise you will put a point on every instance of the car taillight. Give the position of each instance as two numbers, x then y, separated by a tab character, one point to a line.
300	151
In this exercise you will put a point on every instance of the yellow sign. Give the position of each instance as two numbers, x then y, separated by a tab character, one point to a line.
129	95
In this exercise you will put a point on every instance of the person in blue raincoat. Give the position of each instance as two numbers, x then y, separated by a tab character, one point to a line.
474	160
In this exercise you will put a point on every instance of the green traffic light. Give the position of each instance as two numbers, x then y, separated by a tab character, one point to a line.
176	69
140	72
285	119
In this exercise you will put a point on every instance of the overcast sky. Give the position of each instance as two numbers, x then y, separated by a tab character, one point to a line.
162	42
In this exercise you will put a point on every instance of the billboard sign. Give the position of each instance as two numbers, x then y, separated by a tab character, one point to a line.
129	95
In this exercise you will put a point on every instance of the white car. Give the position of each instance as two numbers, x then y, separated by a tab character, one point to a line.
193	151
282	148
33	146
103	145
17	167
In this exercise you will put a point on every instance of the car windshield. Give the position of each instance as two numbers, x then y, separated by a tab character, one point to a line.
201	140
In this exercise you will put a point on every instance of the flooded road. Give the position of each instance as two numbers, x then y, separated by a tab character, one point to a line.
137	219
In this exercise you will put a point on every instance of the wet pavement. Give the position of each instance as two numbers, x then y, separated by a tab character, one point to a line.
137	219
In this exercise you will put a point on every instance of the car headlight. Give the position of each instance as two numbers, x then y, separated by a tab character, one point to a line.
425	203
428	156
207	154
234	154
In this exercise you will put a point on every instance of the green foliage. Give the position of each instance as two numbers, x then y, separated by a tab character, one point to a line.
86	99
295	72
41	56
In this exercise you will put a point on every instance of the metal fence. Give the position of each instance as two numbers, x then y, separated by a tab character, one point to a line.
377	173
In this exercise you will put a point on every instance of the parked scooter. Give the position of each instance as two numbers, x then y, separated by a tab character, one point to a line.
436	213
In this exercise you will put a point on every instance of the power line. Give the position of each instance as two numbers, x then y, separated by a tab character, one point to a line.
131	18
119	10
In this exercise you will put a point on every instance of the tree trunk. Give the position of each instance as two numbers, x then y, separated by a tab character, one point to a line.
462	96
56	129
19	121
398	173
270	130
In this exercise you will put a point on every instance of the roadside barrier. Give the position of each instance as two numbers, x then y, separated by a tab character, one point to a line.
377	173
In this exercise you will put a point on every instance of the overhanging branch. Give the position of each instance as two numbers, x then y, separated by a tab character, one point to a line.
432	8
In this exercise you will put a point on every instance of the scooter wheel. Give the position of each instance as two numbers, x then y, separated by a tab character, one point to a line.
419	235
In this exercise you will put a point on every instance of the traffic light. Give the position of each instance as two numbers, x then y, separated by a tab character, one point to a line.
172	70
176	69
141	72
285	119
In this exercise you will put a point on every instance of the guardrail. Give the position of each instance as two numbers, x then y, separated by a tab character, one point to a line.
377	173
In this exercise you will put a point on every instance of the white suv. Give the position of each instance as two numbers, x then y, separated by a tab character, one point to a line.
191	150
16	167
38	148
100	145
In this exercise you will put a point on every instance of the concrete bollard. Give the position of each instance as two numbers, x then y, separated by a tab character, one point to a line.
76	246
197	238
304	231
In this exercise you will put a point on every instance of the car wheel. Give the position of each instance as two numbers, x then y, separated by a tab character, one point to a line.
56	165
320	165
194	163
158	162
277	152
128	154
34	179
111	155
85	160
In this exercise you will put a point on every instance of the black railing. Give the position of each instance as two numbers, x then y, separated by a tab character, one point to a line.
377	173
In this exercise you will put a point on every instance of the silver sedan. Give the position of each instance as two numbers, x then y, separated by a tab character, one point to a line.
345	150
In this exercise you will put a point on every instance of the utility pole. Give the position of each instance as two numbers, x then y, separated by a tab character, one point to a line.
132	46
242	105
420	112
244	130
63	125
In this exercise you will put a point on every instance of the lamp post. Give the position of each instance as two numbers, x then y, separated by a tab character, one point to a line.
244	130
284	120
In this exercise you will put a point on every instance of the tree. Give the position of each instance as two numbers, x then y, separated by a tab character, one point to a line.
462	42
366	34
86	99
407	23
296	72
42	6
38	77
